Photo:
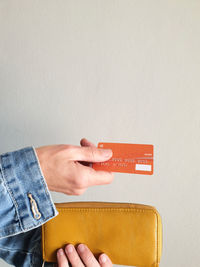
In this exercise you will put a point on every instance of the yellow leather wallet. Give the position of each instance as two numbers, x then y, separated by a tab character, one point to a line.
130	234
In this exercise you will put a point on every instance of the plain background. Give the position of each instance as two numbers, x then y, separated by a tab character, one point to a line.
112	71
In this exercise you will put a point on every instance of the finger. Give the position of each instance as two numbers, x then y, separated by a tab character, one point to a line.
62	259
85	142
92	177
87	257
105	261
73	256
90	154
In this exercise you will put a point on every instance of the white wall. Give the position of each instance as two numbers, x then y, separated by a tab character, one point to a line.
113	71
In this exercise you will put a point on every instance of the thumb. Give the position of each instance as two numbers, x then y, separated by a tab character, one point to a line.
91	154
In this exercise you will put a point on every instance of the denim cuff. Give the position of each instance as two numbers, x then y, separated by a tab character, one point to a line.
28	190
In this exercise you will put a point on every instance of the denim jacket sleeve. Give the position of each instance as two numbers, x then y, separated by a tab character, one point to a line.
25	201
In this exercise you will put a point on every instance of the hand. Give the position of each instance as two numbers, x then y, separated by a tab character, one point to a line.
67	168
80	258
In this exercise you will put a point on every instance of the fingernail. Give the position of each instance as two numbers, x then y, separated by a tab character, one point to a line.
60	252
69	248
103	258
81	247
107	152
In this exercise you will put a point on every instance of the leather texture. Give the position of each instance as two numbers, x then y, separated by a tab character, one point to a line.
130	234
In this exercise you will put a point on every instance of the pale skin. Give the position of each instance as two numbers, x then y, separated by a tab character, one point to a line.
81	257
71	165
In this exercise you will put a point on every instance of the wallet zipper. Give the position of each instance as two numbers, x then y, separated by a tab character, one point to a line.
87	204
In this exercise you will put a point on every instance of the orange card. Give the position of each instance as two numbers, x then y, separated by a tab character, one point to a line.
127	158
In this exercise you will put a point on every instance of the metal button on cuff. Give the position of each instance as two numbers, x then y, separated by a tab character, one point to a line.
34	208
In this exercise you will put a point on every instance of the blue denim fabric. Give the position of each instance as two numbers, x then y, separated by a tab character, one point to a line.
25	204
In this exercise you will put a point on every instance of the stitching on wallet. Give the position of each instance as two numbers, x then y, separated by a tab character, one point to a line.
106	209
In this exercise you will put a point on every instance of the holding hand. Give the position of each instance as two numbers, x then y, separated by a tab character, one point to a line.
80	258
67	168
